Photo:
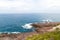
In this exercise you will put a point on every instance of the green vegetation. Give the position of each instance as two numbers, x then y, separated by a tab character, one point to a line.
46	36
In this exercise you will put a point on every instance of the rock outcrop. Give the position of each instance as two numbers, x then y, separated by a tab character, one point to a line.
44	27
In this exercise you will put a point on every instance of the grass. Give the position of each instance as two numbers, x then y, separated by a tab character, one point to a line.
46	36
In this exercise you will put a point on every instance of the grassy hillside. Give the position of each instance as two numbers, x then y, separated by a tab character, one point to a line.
46	36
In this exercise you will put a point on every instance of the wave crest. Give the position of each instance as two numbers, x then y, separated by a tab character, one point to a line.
27	26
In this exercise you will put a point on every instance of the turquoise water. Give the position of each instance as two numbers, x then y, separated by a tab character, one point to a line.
14	22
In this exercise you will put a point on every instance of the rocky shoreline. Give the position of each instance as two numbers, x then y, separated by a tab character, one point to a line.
39	28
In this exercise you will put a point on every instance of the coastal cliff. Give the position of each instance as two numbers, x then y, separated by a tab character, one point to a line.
45	27
39	28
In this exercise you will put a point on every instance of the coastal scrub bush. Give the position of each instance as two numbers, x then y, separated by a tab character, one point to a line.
46	36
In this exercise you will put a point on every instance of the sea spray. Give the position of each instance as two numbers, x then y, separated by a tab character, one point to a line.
27	26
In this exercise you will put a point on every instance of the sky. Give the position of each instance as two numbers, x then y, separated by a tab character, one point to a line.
29	6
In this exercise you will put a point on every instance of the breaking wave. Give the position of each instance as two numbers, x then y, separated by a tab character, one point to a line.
47	20
10	32
27	26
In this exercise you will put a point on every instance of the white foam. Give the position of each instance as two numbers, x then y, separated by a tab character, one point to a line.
9	32
47	20
27	26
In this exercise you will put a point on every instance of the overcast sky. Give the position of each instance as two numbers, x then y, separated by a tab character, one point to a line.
29	6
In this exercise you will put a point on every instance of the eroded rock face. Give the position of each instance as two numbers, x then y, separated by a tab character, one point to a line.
21	36
10	37
44	27
50	24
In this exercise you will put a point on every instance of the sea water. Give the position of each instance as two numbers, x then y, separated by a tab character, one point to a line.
19	22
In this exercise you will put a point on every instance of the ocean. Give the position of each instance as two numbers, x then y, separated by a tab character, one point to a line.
16	22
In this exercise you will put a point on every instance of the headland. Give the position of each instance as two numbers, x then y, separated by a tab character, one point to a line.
39	28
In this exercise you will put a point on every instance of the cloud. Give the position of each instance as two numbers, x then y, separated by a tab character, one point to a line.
13	5
32	6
